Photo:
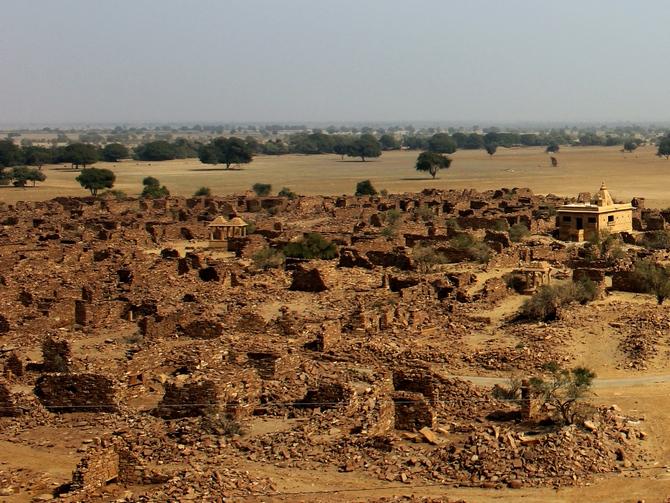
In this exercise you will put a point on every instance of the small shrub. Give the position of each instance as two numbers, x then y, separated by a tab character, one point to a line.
477	250
155	192
312	246
656	240
217	424
653	278
517	232
462	241
119	195
452	224
286	192
424	213
384	193
426	258
544	305
262	189
390	231
153	189
586	291
392	217
365	188
203	191
500	225
268	258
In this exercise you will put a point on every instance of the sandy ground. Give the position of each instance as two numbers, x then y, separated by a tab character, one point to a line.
581	169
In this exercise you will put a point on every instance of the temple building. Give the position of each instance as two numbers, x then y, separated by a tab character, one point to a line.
221	230
588	218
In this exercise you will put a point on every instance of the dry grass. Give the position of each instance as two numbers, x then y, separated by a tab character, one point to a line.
581	169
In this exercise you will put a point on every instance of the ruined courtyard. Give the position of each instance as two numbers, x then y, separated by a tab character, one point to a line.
151	354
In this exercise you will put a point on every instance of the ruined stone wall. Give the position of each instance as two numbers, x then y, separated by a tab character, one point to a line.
99	467
188	399
412	411
76	393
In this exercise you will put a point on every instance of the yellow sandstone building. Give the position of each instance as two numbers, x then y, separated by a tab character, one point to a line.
585	220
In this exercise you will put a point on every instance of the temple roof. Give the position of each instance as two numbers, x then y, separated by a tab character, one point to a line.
219	222
237	222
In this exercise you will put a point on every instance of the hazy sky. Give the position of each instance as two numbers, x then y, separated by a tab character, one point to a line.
334	60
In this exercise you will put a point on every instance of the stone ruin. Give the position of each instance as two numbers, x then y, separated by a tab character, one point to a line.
412	411
76	393
188	398
8	406
308	280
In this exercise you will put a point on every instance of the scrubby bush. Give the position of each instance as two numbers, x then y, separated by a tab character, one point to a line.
262	189
119	195
216	423
656	240
312	246
517	232
424	213
426	258
452	224
545	304
203	191
365	188
286	192
476	250
268	258
153	188
392	217
650	277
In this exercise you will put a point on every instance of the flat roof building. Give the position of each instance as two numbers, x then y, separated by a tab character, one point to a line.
585	220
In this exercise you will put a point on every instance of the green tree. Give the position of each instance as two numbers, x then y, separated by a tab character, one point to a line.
312	246
113	152
342	144
37	156
563	389
226	151
153	188
441	143
552	148
160	150
22	174
80	155
10	154
365	146
414	142
95	179
432	162
262	189
389	142
491	149
664	147
629	146
365	188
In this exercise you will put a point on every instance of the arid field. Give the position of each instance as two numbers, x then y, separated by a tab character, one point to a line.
580	169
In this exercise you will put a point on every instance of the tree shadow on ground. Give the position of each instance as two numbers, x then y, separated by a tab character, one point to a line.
216	169
355	160
420	179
